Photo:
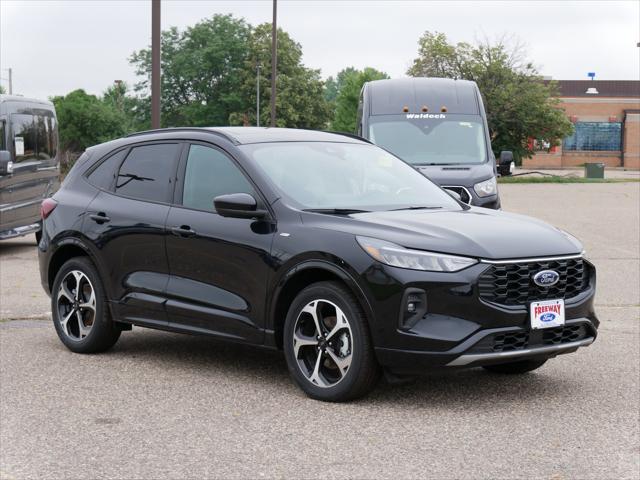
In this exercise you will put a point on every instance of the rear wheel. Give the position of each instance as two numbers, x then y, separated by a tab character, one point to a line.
79	308
514	368
327	344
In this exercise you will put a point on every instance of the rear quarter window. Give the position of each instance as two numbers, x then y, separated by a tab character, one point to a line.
104	175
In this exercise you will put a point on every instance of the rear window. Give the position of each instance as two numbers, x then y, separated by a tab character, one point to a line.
147	171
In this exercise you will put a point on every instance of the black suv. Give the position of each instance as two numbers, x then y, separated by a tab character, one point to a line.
322	245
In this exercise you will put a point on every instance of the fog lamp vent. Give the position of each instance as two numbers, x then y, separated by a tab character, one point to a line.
413	307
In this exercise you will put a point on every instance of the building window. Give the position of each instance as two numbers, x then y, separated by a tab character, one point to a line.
595	136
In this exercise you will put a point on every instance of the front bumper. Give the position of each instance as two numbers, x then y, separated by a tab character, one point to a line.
462	329
477	350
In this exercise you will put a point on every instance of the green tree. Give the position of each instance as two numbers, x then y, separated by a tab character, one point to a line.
333	85
300	101
2	90
86	120
209	76
131	108
202	69
350	82
519	105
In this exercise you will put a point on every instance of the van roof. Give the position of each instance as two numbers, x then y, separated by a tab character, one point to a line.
389	97
21	99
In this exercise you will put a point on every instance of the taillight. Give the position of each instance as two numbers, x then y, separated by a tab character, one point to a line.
47	206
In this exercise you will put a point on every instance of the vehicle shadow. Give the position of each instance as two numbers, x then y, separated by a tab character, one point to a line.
208	357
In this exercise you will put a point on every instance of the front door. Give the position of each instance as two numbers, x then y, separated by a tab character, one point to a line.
218	266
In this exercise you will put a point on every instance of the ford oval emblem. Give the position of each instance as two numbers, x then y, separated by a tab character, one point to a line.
547	317
546	278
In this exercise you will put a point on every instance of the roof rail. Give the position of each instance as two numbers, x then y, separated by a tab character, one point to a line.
185	129
350	135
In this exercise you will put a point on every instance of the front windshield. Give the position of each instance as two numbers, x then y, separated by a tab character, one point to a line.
321	175
445	140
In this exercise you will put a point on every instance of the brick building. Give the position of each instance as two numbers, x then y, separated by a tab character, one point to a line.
606	117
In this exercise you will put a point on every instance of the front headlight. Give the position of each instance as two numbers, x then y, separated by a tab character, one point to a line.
397	256
486	188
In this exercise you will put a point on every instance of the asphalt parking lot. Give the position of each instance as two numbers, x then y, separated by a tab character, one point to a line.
172	406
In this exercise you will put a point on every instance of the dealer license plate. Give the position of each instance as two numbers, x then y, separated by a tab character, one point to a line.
547	314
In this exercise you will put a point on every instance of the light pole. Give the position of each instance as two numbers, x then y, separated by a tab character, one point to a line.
9	80
258	96
274	61
155	63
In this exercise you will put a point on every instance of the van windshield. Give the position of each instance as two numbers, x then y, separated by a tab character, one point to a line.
442	139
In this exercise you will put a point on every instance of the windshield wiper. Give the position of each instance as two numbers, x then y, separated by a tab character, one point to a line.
336	211
415	207
425	164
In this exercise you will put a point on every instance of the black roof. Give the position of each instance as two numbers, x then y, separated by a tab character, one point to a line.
247	135
605	88
389	97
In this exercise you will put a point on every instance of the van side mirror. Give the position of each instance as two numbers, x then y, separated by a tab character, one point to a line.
238	205
506	165
6	164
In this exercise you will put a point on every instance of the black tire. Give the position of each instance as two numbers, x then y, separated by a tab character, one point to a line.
363	372
515	368
102	332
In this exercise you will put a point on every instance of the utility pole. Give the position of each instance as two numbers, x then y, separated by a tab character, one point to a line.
155	64
274	61
258	96
10	81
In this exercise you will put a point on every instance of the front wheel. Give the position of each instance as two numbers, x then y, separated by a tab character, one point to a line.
327	344
79	308
515	368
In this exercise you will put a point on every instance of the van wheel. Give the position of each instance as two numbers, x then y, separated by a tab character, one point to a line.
79	308
327	344
514	368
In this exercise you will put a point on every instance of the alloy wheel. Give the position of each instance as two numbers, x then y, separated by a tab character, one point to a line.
76	302
322	343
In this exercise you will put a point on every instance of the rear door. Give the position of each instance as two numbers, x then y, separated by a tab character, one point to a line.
126	222
219	266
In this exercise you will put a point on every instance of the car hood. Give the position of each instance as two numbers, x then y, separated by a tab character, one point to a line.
473	232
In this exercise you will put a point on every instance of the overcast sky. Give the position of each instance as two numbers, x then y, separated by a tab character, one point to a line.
54	47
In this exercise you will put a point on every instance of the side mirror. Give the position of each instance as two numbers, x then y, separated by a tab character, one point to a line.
238	205
6	164
506	165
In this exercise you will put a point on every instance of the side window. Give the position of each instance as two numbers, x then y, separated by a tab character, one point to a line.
210	173
24	137
147	171
2	134
104	174
46	136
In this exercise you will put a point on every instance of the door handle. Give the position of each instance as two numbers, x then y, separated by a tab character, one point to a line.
99	218
183	231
